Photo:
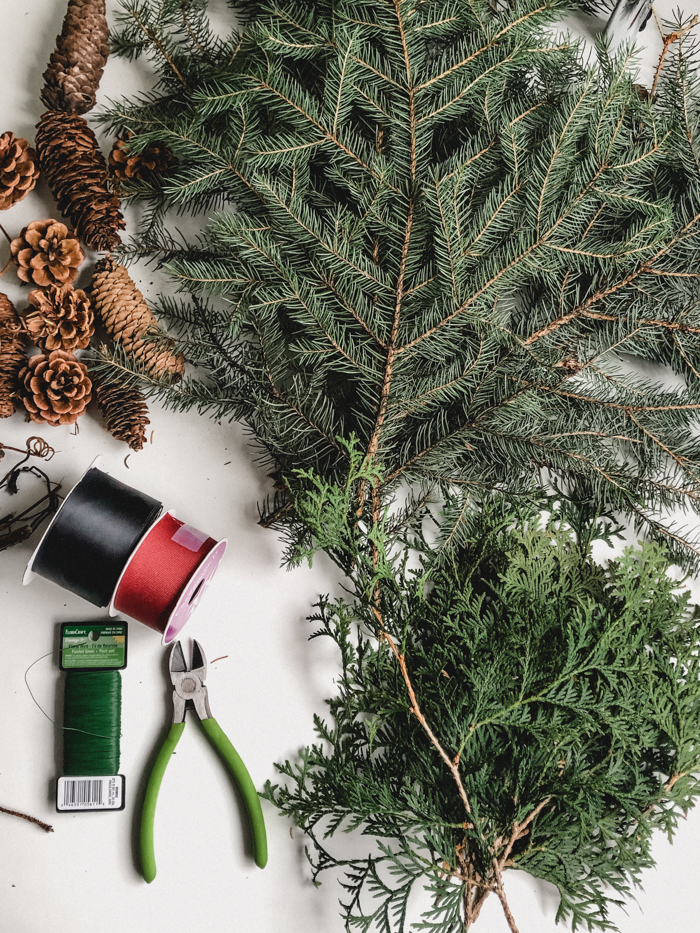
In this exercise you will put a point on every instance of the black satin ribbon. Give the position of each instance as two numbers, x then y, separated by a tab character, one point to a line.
93	535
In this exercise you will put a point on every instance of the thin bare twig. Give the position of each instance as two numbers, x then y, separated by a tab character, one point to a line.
31	819
500	892
668	42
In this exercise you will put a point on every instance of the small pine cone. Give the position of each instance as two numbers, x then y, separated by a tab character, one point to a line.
127	318
55	388
124	411
76	65
76	171
126	166
46	253
63	319
12	356
19	169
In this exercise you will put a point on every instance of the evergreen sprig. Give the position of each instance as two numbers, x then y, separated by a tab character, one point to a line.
450	236
544	714
450	259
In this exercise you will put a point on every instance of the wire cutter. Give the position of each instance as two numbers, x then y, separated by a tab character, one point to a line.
190	693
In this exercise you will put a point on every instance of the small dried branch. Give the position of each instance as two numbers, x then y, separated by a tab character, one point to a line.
520	830
500	892
17	527
31	819
668	42
452	763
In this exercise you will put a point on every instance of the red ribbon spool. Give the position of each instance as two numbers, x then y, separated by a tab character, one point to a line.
167	575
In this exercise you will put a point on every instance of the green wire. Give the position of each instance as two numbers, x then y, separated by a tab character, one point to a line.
92	723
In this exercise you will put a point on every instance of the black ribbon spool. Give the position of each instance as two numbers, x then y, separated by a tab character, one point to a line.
93	535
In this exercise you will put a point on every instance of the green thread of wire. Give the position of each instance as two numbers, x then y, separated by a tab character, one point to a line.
92	723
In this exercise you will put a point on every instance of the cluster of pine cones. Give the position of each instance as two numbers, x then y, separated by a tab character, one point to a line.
54	386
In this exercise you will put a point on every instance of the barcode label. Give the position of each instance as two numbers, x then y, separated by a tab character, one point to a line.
82	793
90	793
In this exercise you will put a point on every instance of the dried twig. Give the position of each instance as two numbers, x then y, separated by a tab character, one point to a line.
31	819
16	527
668	42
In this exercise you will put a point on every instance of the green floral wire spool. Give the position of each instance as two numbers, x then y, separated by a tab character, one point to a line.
92	723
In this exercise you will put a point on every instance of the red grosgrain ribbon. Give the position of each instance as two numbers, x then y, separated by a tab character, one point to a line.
167	575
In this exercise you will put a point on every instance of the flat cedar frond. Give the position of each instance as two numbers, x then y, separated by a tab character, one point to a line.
575	729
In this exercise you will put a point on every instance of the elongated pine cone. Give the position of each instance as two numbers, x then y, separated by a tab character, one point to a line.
124	411
126	166
76	171
62	319
19	169
76	65
55	388
12	356
127	318
46	253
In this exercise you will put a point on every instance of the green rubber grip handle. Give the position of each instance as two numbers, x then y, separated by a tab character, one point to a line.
250	796
148	857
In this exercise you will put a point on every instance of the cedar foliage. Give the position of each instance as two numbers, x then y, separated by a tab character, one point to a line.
566	696
448	259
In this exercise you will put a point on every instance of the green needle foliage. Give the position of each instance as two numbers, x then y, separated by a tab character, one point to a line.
442	232
544	715
449	259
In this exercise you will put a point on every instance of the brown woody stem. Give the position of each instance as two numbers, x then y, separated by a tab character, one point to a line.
31	819
452	763
500	891
668	42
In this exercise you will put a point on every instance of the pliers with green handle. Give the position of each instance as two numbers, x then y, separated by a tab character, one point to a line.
190	693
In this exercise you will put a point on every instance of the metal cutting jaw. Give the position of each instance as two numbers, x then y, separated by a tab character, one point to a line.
189	690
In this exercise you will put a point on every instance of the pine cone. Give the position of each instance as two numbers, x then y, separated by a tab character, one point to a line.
55	388
46	253
63	319
19	169
76	171
126	166
12	356
124	411
76	65
127	318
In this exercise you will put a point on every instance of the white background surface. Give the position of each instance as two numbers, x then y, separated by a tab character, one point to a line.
84	877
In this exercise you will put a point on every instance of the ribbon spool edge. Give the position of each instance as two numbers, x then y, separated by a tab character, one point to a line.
207	565
113	611
217	552
29	573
